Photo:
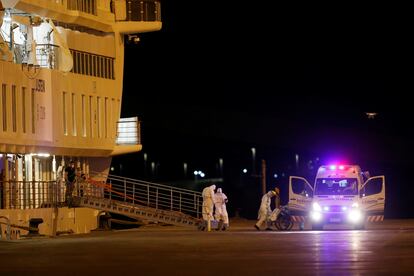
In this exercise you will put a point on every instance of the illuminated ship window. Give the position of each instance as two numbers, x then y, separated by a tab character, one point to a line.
128	131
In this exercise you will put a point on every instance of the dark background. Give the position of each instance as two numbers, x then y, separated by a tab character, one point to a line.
223	77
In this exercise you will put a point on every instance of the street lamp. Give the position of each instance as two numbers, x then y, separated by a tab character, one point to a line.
253	160
185	169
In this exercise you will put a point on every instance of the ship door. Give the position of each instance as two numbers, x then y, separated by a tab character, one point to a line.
300	194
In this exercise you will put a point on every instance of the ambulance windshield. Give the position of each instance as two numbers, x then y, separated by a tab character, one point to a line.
336	186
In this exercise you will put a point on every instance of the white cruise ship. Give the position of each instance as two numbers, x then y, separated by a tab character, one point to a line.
61	75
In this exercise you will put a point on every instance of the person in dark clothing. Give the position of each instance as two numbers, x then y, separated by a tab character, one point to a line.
70	177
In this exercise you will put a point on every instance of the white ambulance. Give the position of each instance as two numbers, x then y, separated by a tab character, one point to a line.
341	194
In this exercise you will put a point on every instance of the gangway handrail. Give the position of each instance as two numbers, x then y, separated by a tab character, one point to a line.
8	230
143	193
112	176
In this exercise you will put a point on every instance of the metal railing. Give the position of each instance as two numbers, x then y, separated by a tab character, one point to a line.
149	194
46	194
7	232
87	6
46	55
30	194
138	10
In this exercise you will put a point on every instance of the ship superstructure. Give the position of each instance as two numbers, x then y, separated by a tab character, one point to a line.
61	75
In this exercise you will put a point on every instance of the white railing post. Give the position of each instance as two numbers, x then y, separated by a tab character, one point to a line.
133	193
148	195
125	194
171	194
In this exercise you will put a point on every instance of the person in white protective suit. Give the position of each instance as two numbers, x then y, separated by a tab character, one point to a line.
208	204
265	211
220	200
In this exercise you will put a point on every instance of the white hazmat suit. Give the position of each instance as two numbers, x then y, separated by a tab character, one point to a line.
265	210
208	203
220	200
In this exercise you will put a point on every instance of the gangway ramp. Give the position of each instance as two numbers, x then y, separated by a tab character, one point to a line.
142	200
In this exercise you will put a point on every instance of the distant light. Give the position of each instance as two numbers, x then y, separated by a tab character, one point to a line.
244	170
326	208
332	167
41	154
275	175
195	172
344	208
112	169
341	167
202	174
371	115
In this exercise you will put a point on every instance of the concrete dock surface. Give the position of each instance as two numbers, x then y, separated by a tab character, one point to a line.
385	248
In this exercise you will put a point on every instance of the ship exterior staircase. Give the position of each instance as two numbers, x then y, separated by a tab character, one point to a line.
141	200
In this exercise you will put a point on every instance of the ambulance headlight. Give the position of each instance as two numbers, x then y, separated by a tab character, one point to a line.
316	207
355	216
316	216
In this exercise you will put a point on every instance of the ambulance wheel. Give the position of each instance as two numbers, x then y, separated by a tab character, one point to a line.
284	223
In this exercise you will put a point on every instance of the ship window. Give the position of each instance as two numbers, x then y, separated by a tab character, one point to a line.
103	67
74	114
78	57
106	118
87	70
91	117
113	68
94	65
24	109
33	104
109	68
4	105
113	117
14	107
82	63
98	115
76	62
83	116
99	67
65	126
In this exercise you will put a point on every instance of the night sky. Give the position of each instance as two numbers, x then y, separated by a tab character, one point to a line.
221	78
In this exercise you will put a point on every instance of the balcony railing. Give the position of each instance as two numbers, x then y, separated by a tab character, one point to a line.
87	6
139	10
